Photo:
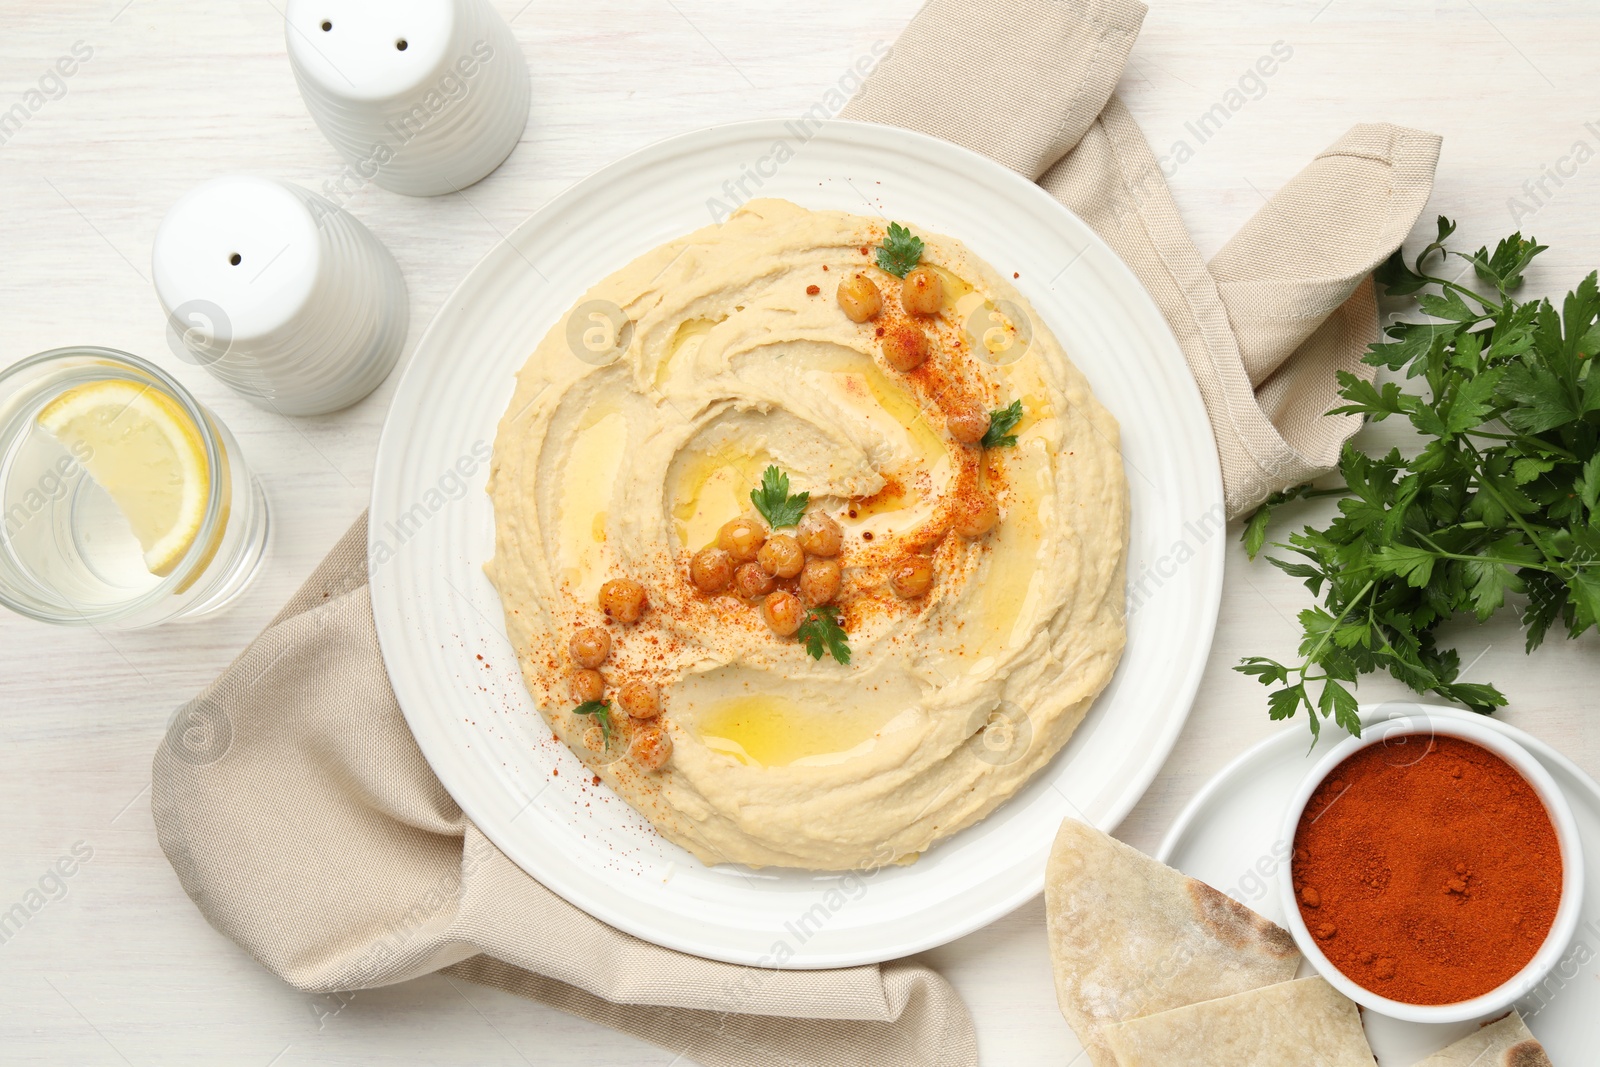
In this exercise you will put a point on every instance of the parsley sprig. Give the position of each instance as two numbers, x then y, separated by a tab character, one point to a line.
775	503
900	252
1502	499
601	710
821	632
1001	423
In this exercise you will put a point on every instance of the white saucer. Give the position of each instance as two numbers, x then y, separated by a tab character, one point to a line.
1230	836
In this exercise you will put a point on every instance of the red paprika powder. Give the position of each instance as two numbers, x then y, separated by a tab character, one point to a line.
1427	869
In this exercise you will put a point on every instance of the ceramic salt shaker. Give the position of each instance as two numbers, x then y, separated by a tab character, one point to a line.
285	297
421	97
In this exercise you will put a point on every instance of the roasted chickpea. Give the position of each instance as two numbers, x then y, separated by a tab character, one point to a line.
783	612
753	580
906	348
590	646
742	539
651	747
967	421
641	700
782	556
819	535
974	518
860	298
711	570
922	292
912	577
820	581
587	685
623	599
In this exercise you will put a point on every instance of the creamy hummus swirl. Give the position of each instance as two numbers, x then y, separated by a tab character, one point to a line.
639	427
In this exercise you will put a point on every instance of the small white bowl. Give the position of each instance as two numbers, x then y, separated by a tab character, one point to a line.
1395	732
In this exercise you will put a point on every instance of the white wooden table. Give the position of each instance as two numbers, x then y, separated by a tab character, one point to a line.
121	969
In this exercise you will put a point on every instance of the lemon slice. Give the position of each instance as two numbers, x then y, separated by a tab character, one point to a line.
146	453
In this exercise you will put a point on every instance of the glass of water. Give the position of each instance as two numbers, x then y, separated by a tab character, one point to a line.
123	502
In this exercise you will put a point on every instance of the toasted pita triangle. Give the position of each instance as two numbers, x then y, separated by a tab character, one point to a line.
1304	1023
1131	937
1506	1043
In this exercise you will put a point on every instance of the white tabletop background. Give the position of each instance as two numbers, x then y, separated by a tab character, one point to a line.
122	969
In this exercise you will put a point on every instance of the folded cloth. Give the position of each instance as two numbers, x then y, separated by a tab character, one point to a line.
304	822
1282	308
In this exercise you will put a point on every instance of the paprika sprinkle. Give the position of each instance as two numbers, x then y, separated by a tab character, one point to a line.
1431	877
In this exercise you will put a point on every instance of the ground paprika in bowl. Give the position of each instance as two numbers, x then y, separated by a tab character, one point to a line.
1435	873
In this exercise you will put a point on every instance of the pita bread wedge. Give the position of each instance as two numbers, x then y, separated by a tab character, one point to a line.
1131	937
1506	1043
1305	1023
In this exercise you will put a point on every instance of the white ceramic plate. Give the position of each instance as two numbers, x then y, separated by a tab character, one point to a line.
439	620
1230	837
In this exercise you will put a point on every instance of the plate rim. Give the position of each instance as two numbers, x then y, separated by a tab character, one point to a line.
1207	595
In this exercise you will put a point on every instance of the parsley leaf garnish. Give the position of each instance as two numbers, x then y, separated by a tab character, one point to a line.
775	503
900	252
1001	423
821	631
601	711
1501	499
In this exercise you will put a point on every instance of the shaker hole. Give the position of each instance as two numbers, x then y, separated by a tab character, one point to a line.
236	259
326	25
401	44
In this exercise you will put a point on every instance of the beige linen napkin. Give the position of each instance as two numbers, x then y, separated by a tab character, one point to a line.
304	822
1286	304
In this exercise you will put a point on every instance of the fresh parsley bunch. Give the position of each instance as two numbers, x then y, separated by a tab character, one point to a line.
1503	499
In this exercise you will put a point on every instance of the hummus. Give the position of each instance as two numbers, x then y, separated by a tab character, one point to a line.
641	425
